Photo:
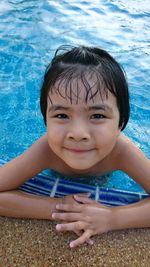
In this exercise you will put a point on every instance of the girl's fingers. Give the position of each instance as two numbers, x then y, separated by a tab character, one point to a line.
66	216
83	236
73	226
75	207
69	207
82	239
90	241
80	232
83	199
86	194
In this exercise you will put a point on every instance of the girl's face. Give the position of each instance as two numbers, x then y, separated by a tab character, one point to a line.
82	134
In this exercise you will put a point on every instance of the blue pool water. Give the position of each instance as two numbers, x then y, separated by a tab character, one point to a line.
30	31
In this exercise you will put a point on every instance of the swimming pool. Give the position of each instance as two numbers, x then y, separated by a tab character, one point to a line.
32	30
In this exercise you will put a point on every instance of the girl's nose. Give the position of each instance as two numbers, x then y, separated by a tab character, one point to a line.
78	132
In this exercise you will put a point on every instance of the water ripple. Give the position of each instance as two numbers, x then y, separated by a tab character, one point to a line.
32	30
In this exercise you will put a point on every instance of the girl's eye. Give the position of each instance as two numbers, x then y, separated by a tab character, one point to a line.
94	116
61	116
98	116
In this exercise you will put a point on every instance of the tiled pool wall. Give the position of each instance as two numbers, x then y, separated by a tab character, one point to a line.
42	184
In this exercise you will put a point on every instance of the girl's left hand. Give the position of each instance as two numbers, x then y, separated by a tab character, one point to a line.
85	215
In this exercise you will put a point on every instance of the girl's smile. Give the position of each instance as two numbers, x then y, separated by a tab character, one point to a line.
82	134
79	150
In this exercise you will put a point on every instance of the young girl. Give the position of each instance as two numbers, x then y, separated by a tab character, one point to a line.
85	105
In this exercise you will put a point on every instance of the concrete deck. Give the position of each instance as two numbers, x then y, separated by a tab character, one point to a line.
35	243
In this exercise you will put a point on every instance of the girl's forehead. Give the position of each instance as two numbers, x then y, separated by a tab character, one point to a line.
59	98
79	86
79	90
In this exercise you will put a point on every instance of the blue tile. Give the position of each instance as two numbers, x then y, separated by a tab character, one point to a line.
42	184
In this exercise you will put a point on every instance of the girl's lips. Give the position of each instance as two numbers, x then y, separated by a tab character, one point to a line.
79	150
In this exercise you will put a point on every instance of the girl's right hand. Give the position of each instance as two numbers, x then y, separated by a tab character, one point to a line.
70	200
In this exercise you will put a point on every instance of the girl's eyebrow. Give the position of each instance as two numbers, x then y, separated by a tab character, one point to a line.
104	107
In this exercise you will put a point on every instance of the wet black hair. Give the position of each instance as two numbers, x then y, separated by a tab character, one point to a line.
74	63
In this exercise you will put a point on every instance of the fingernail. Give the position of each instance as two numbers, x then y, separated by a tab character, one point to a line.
58	227
71	245
83	194
76	196
78	199
53	215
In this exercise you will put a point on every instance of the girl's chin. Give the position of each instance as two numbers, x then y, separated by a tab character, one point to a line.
80	168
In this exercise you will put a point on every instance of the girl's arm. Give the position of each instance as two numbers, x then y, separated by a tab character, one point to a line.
18	204
137	166
32	161
132	161
14	203
131	216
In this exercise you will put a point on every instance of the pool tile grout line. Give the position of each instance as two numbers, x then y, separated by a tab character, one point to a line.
41	184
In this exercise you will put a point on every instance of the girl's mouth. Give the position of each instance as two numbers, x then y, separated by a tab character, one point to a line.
80	151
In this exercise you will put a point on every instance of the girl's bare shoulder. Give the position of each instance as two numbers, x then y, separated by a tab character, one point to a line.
40	152
32	161
127	150
131	160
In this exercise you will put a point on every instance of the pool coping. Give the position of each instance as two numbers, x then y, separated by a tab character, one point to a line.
42	184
